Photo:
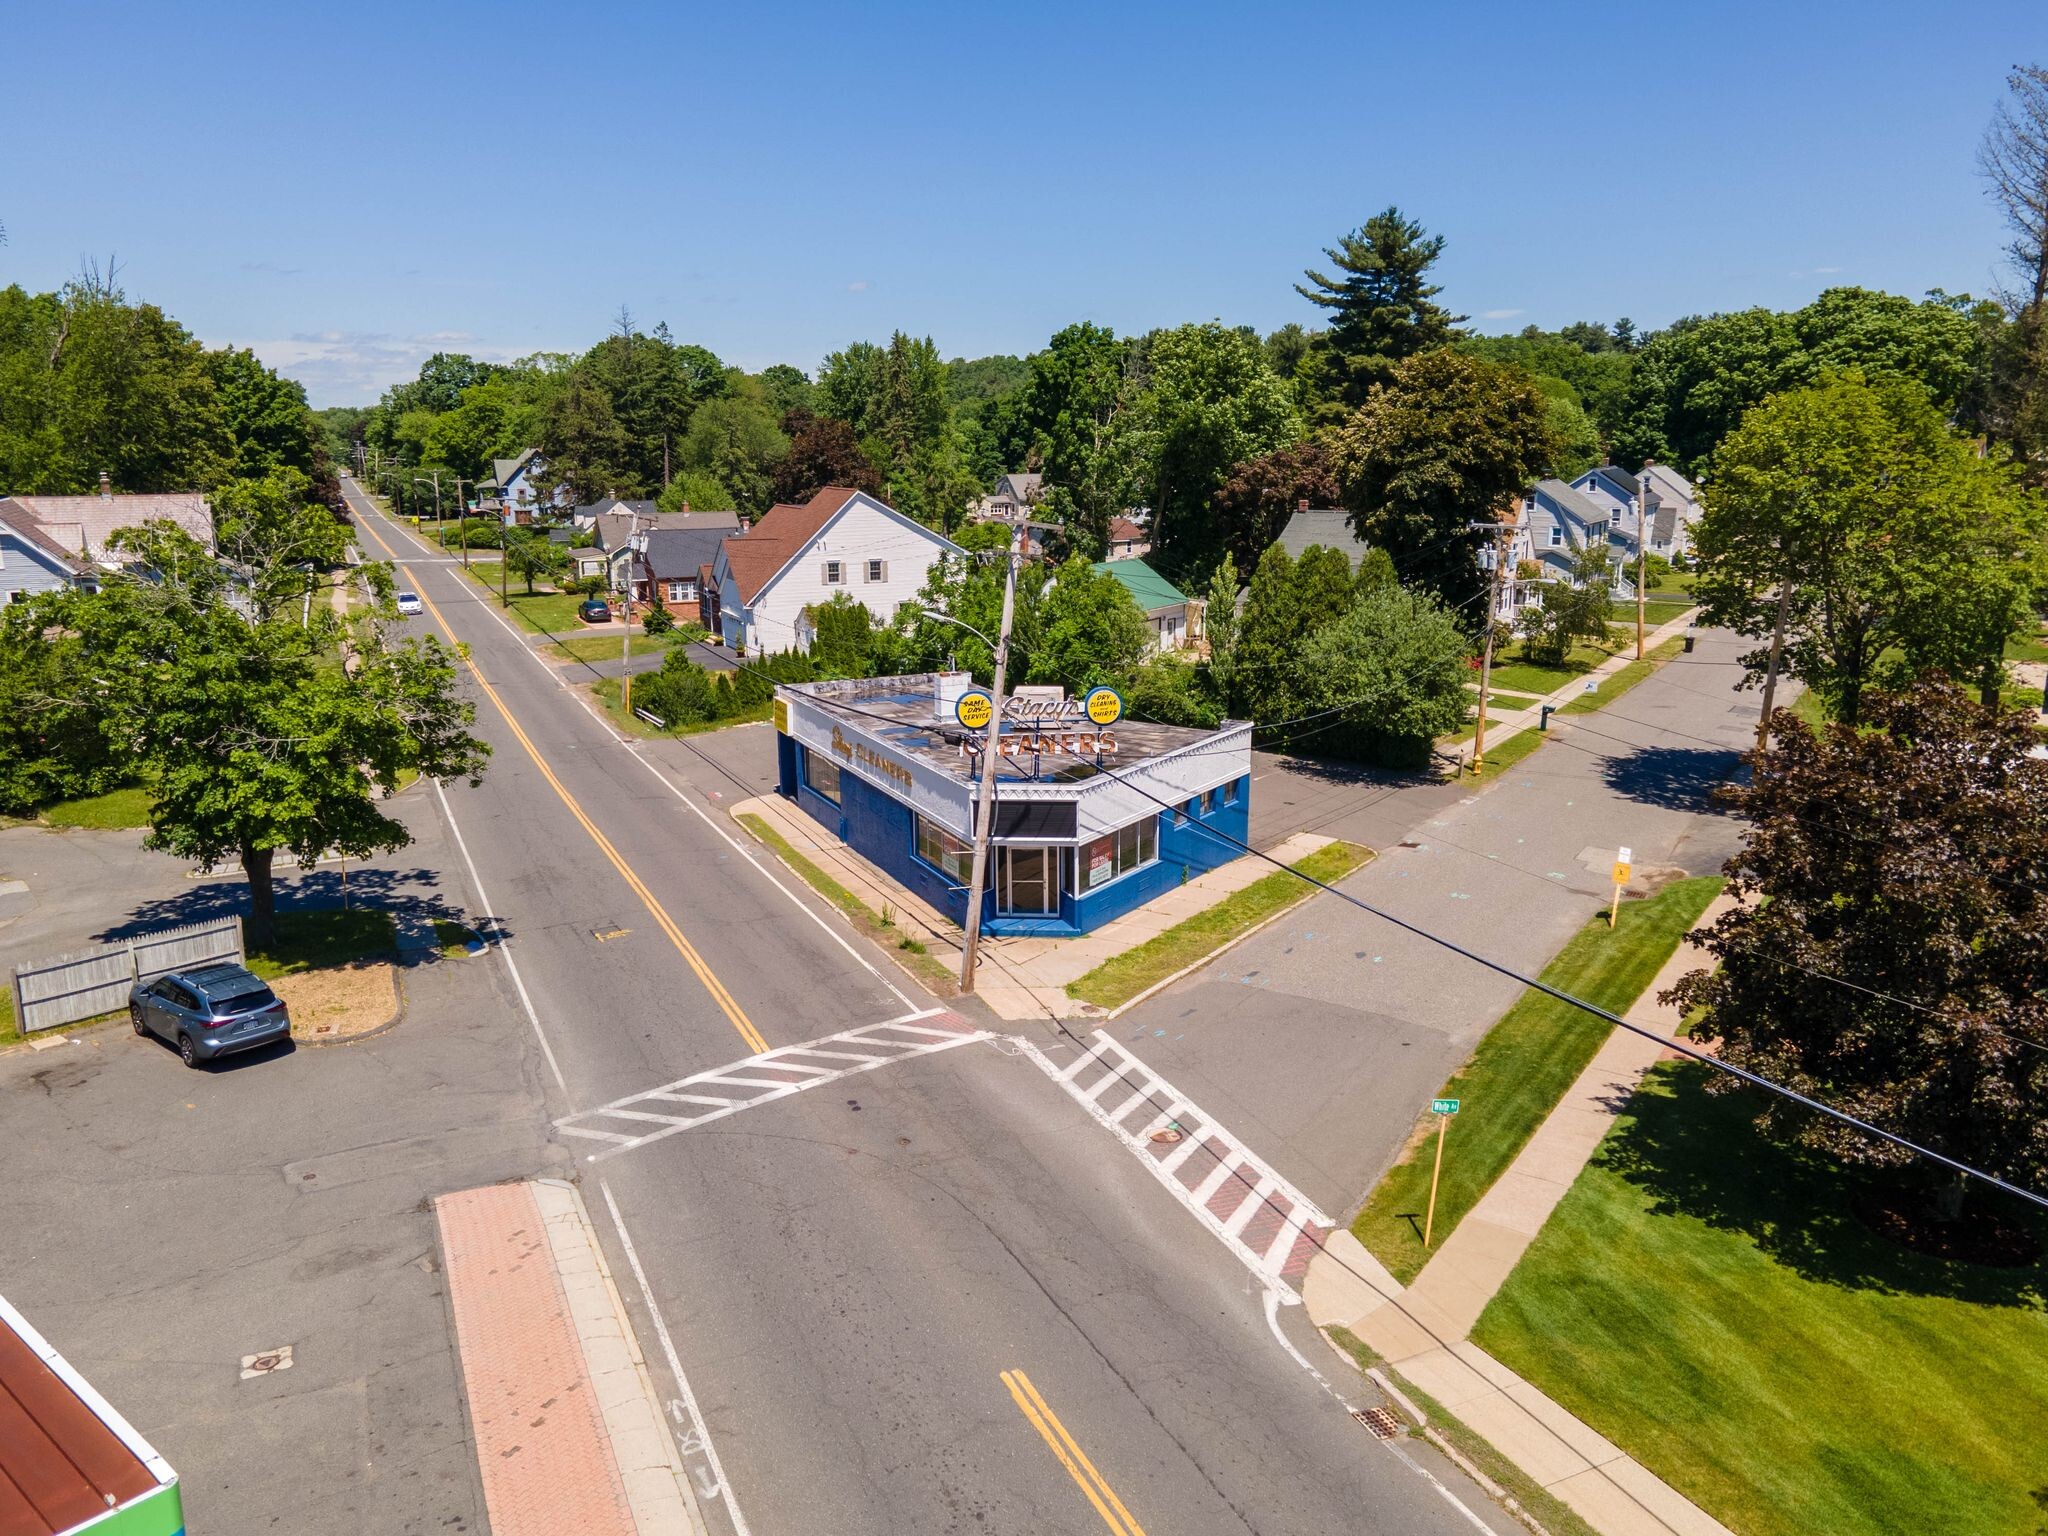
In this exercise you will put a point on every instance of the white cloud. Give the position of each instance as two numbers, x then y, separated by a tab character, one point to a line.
1499	314
858	287
355	367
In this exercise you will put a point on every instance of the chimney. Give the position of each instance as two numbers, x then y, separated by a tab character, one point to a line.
1301	505
106	487
686	509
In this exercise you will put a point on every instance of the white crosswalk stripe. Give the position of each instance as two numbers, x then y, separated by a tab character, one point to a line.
1271	1226
751	1084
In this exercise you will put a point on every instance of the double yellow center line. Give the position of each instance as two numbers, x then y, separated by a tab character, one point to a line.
667	924
1071	1456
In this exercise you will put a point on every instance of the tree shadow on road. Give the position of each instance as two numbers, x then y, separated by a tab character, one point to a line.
1699	1155
1671	778
403	892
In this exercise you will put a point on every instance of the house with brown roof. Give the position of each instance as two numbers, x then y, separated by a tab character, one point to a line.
762	583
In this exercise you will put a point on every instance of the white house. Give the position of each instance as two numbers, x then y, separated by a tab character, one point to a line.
30	560
841	541
83	527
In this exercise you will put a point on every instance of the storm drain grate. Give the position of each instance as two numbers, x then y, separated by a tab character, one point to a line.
1380	1421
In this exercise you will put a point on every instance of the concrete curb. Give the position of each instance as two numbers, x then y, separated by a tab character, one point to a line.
658	1487
1228	944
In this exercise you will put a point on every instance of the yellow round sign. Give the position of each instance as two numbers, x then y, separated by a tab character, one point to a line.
974	709
1105	706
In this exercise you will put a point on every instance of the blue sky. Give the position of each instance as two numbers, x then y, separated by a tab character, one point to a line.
352	188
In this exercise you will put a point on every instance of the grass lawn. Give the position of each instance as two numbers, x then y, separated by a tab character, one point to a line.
911	954
308	941
1117	981
1658	609
1518	674
124	807
1510	752
1616	684
1522	1068
607	691
544	613
604	647
453	938
2032	647
1708	1301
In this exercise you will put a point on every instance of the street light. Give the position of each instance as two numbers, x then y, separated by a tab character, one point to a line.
947	618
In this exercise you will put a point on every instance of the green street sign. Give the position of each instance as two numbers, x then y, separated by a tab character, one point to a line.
1443	1106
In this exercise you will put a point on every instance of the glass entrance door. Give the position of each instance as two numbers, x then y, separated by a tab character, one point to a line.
1029	882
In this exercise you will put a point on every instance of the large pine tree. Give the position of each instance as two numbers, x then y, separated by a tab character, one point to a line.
1383	308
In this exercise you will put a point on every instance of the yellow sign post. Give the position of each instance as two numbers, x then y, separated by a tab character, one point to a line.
1621	873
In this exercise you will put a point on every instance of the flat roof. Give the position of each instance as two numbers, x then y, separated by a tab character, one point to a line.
899	711
65	1457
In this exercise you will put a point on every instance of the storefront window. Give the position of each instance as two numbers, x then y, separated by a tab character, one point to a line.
1118	853
822	774
941	849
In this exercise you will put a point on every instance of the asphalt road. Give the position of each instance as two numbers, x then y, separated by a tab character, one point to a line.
1323	1037
846	1274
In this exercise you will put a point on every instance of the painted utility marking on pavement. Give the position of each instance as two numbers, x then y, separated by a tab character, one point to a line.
726	1002
1040	1416
1272	1227
706	1096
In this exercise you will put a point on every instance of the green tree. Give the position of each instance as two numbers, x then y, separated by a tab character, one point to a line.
1075	392
1375	570
1382	307
1880	523
1322	587
822	451
1888	954
266	417
1211	404
587	452
1269	632
1442	447
1393	669
1578	441
1584	355
276	538
1219	627
1091	629
1692	383
52	742
736	441
1570	611
252	740
1255	503
843	639
696	491
528	555
786	389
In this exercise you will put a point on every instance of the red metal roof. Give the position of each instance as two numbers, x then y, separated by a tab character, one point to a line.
60	1464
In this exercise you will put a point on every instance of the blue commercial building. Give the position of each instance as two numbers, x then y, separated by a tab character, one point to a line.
1090	821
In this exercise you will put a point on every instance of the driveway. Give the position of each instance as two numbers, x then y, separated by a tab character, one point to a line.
1323	1037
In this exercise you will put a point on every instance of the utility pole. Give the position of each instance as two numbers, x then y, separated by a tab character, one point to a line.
440	539
985	801
462	520
1763	724
626	640
1503	533
1642	545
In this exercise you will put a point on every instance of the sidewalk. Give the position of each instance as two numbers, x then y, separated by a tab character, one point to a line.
1422	1330
569	1434
1501	727
1018	978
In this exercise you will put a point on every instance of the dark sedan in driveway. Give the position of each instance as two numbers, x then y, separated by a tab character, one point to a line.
209	1011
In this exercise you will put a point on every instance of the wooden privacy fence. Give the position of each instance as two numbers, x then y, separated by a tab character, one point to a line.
64	990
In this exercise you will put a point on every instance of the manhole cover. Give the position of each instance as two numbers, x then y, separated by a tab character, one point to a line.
268	1363
1380	1421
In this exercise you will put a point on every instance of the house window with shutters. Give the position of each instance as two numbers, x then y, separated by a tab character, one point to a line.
835	574
878	570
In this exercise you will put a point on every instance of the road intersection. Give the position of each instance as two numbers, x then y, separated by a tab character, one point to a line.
859	1285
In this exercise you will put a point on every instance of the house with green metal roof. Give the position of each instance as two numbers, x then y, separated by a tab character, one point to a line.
1175	618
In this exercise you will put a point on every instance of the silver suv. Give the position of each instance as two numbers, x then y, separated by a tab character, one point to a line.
209	1011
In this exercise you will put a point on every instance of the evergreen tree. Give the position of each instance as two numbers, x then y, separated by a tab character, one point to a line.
1322	588
1382	307
1268	634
